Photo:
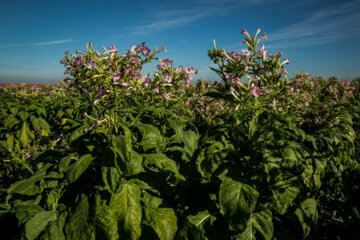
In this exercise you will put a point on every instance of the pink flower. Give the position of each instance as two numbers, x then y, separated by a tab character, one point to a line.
112	47
231	90
258	31
189	77
126	84
262	51
166	61
129	70
245	68
187	83
280	109
229	75
286	61
27	154
166	96
66	52
145	51
244	32
168	78
236	80
187	103
189	70
246	52
255	91
306	104
135	49
157	90
284	72
116	78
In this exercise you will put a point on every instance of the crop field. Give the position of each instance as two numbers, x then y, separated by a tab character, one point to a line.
110	153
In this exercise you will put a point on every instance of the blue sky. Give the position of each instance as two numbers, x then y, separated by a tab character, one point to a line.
317	36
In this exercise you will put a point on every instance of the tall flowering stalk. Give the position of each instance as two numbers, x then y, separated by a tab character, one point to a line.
241	71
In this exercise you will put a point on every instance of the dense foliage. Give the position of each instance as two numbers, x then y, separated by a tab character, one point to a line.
112	154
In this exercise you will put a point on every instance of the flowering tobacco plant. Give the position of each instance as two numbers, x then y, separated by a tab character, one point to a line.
252	64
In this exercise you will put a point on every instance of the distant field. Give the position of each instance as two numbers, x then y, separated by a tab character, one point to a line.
28	85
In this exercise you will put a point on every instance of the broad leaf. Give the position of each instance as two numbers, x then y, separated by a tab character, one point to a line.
307	215
237	200
38	223
77	168
25	135
163	221
125	204
259	226
161	161
79	225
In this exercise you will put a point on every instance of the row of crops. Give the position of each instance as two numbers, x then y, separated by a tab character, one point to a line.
112	154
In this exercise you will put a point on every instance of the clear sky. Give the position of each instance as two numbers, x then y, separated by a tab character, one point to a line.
317	36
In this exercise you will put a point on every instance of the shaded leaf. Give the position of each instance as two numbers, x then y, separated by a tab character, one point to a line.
237	200
259	226
163	221
38	223
77	168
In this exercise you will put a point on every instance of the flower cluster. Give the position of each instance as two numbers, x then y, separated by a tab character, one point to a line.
251	64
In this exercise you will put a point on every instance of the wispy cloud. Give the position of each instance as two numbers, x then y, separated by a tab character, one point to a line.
188	13
327	25
48	43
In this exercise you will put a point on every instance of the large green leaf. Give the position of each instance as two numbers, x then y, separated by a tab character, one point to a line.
10	122
77	168
259	226
307	215
111	172
161	161
38	223
152	137
199	218
79	225
125	204
178	128
28	186
237	200
40	123
285	189
78	132
163	221
25	135
56	229
24	213
105	220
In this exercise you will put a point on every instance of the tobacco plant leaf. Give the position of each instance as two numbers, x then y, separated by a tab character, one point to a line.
161	161
79	226
125	205
259	226
38	223
25	135
105	220
237	200
78	132
56	229
10	122
163	221
152	137
307	215
40	123
199	218
28	186
24	213
77	168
